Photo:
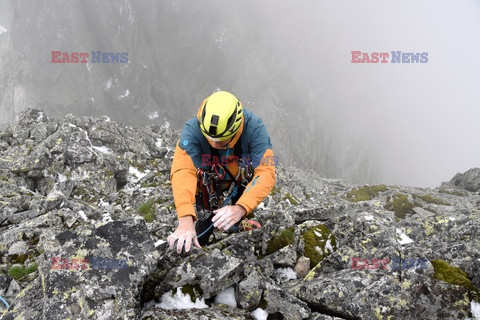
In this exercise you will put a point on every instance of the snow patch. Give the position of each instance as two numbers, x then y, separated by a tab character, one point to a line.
3	30
475	310
153	115
159	243
137	175
108	84
83	215
104	204
76	176
260	314
40	117
227	296
402	238
261	206
318	233
127	92
61	178
106	217
285	274
71	125
158	143
368	216
180	301
103	149
166	125
54	193
451	218
328	246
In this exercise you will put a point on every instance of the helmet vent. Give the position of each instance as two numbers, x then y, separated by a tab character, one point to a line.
214	120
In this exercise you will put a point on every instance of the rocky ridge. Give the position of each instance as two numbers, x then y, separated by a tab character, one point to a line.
87	187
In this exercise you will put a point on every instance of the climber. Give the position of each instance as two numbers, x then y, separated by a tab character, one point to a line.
223	193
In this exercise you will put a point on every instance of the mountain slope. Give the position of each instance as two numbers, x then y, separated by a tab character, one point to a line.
87	188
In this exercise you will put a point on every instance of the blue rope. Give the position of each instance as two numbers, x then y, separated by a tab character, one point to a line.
5	302
201	234
232	194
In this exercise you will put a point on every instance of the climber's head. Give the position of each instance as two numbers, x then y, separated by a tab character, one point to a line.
220	118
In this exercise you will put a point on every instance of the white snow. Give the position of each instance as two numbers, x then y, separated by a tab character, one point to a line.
83	215
40	117
166	125
158	143
107	217
3	30
318	233
153	115
475	310
103	149
261	206
368	216
402	238
285	274
328	245
180	301
72	125
227	296
54	193
124	95
451	218
260	314
137	175
61	178
103	203
76	175
159	242
108	84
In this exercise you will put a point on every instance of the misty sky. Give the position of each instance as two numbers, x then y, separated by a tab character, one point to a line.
422	118
289	61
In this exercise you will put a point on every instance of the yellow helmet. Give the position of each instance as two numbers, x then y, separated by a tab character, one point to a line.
220	116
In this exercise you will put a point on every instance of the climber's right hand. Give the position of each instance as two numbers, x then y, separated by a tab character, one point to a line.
184	235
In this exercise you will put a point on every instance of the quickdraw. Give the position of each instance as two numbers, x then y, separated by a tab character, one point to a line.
210	194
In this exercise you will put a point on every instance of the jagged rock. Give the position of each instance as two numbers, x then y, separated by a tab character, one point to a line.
75	292
279	301
353	294
469	180
250	291
196	314
212	272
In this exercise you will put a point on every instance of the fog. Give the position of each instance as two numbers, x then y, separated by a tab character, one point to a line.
288	61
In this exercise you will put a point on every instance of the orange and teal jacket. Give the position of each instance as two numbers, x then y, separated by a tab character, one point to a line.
193	149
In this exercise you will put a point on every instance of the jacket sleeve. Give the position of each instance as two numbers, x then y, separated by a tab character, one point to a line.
264	164
183	177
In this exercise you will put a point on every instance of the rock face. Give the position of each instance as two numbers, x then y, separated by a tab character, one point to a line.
469	180
86	206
